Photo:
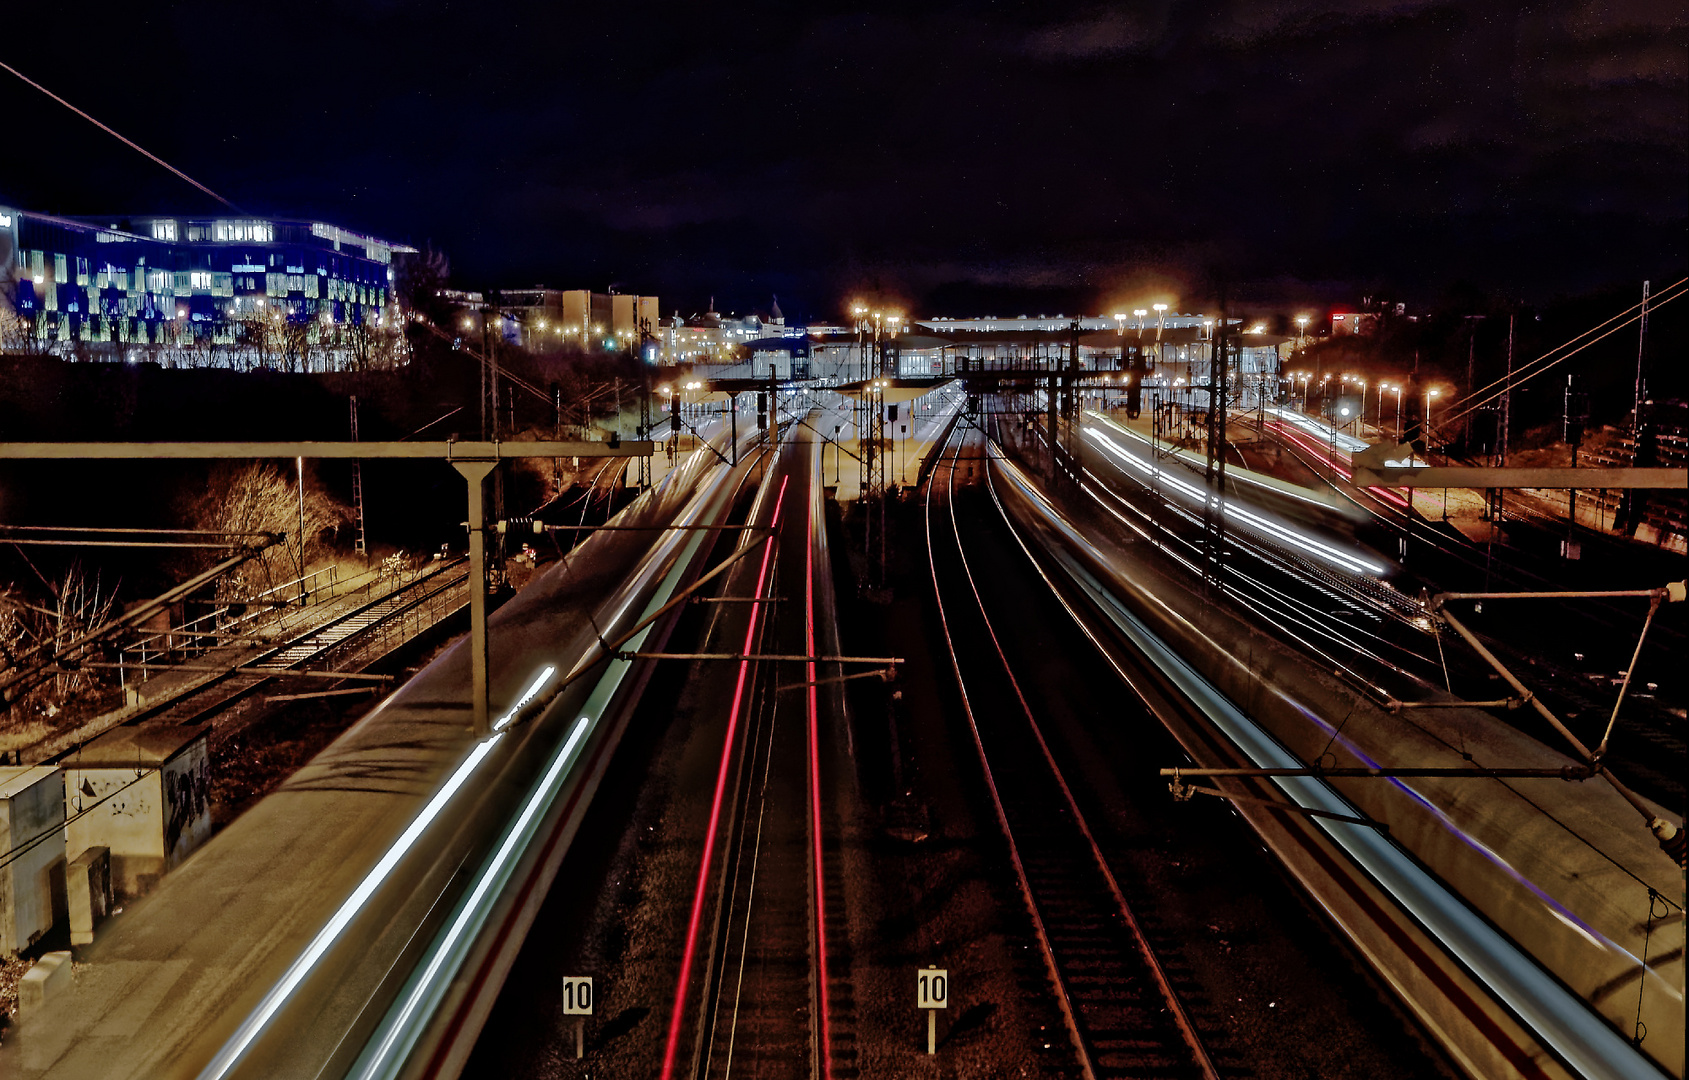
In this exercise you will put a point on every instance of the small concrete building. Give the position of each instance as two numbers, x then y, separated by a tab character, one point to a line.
32	817
144	792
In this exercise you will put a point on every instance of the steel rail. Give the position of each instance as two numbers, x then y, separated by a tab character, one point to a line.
1187	1029
1551	1016
1064	1000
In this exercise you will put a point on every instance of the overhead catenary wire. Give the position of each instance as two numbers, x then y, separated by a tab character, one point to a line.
132	144
1586	333
1524	374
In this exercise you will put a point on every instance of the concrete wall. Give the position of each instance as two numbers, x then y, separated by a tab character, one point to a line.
31	804
187	802
151	816
576	309
622	312
129	821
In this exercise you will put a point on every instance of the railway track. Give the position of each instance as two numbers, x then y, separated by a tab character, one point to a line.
1119	999
765	1009
346	643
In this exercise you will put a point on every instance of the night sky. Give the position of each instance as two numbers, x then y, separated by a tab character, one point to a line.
962	159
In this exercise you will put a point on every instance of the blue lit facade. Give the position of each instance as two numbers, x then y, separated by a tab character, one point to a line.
194	291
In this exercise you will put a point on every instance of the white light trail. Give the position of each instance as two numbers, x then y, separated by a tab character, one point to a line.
541	797
1277	487
1326	552
278	995
1316	427
527	696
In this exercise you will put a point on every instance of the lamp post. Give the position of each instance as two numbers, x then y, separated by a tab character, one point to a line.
1425	426
1398	389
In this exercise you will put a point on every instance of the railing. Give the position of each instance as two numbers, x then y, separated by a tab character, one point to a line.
417	615
155	652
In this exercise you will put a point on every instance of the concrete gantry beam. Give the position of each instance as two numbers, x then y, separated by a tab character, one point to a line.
1546	478
449	451
475	460
1379	465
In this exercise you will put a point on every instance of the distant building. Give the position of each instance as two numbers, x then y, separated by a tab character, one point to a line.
714	338
234	291
541	317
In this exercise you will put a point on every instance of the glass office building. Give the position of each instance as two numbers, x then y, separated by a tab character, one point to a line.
225	291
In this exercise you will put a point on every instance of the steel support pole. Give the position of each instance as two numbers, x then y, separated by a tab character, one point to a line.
475	473
1547	714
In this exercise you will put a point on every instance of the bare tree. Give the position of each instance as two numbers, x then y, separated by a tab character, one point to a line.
258	497
79	606
26	332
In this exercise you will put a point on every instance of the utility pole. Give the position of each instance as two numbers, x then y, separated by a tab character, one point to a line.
645	408
1497	495
1075	445
362	545
1052	414
486	353
495	569
1471	376
557	433
1641	340
1506	400
1213	514
1644	440
300	463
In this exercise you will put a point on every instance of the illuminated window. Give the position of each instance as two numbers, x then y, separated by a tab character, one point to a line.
164	230
59	271
199	279
261	231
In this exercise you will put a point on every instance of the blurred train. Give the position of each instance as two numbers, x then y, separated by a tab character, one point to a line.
1534	926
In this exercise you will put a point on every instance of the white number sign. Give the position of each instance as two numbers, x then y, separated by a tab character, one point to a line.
577	995
932	988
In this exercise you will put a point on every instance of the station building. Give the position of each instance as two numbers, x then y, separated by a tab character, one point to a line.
226	291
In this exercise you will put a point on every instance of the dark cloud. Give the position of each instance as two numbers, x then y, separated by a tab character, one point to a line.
925	151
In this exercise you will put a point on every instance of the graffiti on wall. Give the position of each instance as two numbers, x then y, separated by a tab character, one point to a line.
187	796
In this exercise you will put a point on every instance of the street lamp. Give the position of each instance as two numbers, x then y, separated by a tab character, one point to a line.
1425	427
1398	389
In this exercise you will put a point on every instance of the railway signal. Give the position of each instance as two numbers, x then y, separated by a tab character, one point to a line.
932	993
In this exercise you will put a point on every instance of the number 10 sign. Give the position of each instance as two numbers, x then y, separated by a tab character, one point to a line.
577	1002
932	992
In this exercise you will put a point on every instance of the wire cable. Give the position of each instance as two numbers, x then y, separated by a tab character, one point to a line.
132	144
1520	376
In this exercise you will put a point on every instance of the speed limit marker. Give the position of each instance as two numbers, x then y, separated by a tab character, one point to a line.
577	1002
932	992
